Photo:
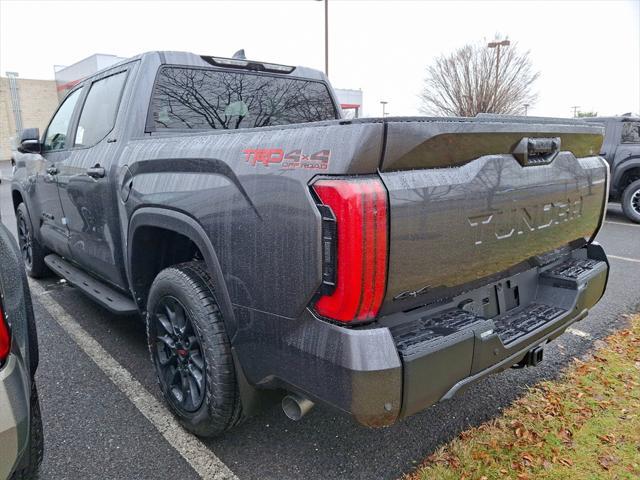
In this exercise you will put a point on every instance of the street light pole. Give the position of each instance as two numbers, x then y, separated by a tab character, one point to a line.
326	36
384	104
497	44
526	108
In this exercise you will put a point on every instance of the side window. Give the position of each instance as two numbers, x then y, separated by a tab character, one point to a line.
56	136
631	132
99	111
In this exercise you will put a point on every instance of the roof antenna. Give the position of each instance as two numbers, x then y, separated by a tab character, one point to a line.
240	55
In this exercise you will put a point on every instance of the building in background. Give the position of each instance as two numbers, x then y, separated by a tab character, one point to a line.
350	102
24	103
68	77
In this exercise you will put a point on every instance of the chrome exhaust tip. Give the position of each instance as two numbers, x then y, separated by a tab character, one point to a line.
296	406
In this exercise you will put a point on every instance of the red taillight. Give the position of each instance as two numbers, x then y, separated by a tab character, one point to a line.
5	338
360	209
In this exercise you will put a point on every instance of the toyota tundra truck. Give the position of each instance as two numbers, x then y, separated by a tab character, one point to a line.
375	265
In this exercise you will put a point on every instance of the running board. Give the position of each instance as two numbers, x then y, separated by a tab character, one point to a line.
106	296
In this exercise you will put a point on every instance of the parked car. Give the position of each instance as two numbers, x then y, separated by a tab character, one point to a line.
621	149
376	265
21	441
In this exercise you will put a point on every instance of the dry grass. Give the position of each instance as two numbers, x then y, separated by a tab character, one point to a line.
583	426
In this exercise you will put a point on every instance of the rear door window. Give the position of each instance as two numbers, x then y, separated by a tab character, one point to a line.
100	109
205	99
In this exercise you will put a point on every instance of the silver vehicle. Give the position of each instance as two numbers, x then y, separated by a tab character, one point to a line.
21	441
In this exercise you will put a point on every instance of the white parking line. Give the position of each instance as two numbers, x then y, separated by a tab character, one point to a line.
627	259
203	460
623	223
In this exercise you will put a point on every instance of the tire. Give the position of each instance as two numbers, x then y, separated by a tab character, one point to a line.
198	347
33	457
631	201
32	252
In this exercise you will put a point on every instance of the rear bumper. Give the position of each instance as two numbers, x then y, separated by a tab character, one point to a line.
14	414
439	368
410	361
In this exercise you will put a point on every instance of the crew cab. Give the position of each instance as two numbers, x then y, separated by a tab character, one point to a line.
621	149
375	265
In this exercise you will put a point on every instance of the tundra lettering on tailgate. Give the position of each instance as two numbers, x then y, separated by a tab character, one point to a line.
504	224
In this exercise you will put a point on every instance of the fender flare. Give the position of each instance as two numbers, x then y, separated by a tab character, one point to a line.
15	188
619	170
35	226
185	225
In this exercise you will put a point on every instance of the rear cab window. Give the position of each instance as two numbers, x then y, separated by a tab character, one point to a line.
187	98
631	132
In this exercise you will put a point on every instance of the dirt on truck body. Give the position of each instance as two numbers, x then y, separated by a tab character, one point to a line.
374	265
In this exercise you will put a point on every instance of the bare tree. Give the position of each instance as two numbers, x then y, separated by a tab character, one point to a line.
476	79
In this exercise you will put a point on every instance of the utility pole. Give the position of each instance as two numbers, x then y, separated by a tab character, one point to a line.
575	110
326	36
526	109
497	44
384	104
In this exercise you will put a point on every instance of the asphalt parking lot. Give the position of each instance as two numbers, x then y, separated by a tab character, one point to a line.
99	396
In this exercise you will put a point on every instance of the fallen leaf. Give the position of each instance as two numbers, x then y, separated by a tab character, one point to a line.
607	461
528	458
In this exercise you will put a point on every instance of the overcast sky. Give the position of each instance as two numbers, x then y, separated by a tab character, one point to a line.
588	52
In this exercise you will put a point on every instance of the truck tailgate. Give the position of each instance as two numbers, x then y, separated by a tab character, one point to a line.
471	199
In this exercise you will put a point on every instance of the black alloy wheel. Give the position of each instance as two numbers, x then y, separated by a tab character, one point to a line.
25	240
631	201
32	252
635	201
178	354
191	351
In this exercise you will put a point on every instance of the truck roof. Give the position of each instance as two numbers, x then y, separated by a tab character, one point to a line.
618	118
192	59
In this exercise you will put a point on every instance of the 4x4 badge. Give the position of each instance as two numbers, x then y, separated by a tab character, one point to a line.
287	161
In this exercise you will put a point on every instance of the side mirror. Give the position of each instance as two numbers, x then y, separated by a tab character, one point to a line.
30	141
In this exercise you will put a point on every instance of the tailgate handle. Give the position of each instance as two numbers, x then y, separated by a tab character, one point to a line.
536	151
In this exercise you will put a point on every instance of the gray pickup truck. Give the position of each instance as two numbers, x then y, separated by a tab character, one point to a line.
621	150
375	265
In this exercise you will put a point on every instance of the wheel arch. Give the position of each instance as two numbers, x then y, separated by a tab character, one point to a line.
187	227
624	173
17	198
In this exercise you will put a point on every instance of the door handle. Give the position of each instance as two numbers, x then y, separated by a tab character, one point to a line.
52	170
96	172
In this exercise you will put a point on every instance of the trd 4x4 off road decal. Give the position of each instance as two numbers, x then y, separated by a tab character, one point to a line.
287	161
